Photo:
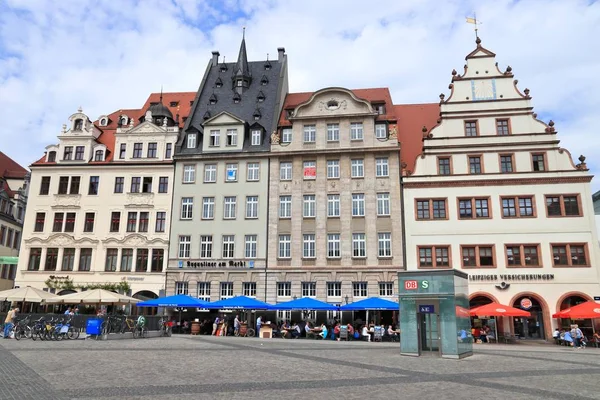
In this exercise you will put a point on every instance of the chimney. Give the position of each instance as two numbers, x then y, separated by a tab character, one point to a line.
215	58
281	52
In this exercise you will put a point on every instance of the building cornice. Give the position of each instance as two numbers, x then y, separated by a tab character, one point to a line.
495	182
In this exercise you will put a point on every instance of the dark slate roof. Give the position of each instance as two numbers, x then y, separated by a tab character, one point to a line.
245	109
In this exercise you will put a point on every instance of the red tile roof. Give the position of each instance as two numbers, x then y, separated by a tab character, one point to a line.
10	169
411	120
107	137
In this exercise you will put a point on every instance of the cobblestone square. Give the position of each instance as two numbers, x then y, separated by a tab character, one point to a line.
246	368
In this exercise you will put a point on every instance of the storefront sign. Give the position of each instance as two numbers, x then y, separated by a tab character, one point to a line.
54	277
133	278
219	264
414	285
429	309
596	298
9	260
512	277
526	303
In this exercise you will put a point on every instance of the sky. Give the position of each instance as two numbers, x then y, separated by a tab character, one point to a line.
104	55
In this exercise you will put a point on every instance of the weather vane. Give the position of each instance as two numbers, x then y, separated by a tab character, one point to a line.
473	20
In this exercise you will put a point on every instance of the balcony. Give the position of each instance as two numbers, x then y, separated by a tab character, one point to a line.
134	200
66	201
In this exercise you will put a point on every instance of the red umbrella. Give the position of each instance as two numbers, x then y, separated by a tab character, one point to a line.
498	310
589	309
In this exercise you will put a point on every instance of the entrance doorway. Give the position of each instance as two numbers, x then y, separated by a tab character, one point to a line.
531	327
429	333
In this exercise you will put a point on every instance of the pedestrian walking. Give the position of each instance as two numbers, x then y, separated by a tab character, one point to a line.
9	321
258	324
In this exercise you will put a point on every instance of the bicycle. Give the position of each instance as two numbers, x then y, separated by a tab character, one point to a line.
165	327
140	329
21	329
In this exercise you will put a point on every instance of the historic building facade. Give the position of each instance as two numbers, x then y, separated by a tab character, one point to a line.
492	194
14	188
334	214
219	233
101	200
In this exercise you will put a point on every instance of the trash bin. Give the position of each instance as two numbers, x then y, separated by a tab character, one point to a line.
93	326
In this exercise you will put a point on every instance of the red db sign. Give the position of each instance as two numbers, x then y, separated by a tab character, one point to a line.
411	285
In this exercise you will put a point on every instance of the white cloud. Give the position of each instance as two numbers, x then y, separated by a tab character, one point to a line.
55	56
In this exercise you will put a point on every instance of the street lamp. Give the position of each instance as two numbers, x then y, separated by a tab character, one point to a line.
346	298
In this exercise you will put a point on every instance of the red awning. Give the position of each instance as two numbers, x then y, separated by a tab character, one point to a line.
498	310
589	309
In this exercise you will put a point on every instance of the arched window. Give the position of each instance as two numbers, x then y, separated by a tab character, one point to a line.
78	125
99	155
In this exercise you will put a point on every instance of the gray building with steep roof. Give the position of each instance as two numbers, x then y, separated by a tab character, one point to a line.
220	206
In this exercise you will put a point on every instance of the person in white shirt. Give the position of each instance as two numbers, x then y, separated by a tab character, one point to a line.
236	325
365	333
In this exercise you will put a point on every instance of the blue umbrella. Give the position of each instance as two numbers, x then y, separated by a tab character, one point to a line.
180	300
305	303
238	303
372	303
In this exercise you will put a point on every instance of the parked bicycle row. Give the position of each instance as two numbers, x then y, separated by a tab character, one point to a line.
50	328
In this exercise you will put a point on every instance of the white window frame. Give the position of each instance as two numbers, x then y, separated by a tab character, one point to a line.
191	140
380	131
251	207
309	289
206	246
249	289
310	133
285	206
356	131
386	289
187	208
333	245
358	204
228	242
285	246
250	246
333	132
359	245
309	164
309	245
185	244
382	167
203	291
231	167
253	171
333	169
334	289
309	206
215	138
208	208
210	173
357	168
229	207
284	289
285	171
360	289
333	205
226	290
383	204
286	135
189	173
232	137
181	288
384	244
256	136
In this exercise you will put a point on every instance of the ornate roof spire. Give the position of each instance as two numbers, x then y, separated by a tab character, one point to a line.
241	67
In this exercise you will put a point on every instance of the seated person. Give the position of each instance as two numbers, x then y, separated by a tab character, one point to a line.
308	330
323	333
350	331
391	333
365	333
336	331
596	339
295	331
568	339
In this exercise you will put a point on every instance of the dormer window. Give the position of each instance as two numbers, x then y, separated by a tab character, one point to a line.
223	67
124	120
256	136
267	65
231	137
78	125
103	121
173	104
79	150
289	113
191	103
218	83
257	115
333	105
379	108
237	98
212	99
191	141
206	115
214	138
68	154
51	156
239	83
264	80
260	97
99	155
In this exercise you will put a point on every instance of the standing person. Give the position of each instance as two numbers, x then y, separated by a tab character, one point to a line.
215	325
68	311
236	325
258	324
579	336
9	321
574	336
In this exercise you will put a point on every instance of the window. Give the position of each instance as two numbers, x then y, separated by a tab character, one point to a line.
215	138
522	256
138	148
136	182
94	183
333	169
251	206
285	171
126	260
17	242
231	172
51	259
310	133
161	221
358	205
563	206
478	256
79	150
35	257
52	156
357	168
231	137
39	222
284	289
68	259
112	256
356	131
203	291
506	163
210	173
185	242
187	207
226	290
115	221
380	131
310	170
466	207
58	222
63	185
285	246
256	136
444	166
119	183
309	208
169	150
309	289
475	164
70	222
431	209
384	244
253	171
85	259
208	208
191	141
383	204
333	132
131	221
181	288
230	206
143	226
68	154
502	127
88	225
249	289
189	173
228	246
381	167
147	184
359	289
163	184
308	246
99	155
122	151
141	262
359	245
518	207
250	246
285	206
333	245
570	255
333	205
334	289
206	246
286	135
471	128
539	162
152	148
9	238
386	289
434	256
45	185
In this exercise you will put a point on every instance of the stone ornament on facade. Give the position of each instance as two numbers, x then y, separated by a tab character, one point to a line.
275	137
140	199
332	105
393	132
66	200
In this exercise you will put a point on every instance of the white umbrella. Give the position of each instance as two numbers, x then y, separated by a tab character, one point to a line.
95	296
28	294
